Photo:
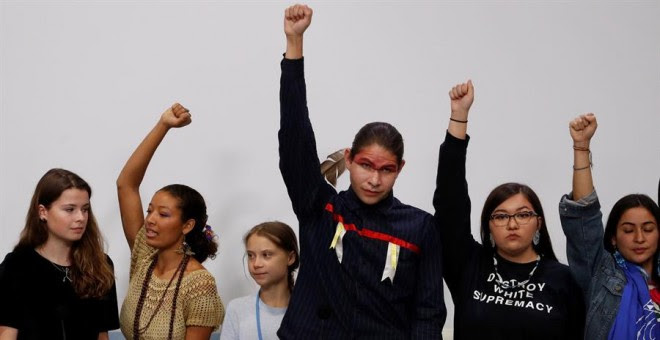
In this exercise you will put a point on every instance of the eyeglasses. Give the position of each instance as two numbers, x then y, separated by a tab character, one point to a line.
522	218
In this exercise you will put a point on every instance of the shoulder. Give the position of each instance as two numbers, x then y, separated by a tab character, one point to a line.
556	271
18	257
239	304
18	266
413	217
199	283
400	207
193	265
555	266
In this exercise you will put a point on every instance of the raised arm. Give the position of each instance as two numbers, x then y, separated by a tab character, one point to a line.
451	200
130	178
581	218
582	129
299	162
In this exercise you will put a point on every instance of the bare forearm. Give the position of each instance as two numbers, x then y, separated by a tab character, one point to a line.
294	47
582	129
133	172
456	129
8	333
583	183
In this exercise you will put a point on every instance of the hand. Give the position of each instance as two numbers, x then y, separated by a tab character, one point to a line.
462	96
176	116
582	128
296	20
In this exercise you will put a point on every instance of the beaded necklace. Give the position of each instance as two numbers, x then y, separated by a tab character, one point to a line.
505	285
137	330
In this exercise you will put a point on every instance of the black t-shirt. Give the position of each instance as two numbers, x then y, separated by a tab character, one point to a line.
548	306
37	300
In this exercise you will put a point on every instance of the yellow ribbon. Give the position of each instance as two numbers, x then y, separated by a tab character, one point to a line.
340	230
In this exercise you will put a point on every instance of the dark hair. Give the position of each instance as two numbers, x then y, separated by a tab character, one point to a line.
283	236
620	207
502	193
193	207
91	273
383	134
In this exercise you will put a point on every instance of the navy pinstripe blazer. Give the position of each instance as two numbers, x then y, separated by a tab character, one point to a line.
349	299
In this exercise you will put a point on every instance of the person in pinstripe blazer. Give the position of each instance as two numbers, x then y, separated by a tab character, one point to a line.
371	266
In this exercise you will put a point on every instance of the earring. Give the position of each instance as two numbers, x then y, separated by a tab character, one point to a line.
492	241
185	249
537	238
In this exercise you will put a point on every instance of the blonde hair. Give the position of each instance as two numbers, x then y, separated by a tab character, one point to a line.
283	237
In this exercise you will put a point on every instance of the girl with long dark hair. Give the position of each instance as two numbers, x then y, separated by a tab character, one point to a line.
510	286
58	283
617	268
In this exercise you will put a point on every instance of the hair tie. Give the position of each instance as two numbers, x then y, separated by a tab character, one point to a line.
208	232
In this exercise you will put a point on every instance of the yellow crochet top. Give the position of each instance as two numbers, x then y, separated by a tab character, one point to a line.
198	303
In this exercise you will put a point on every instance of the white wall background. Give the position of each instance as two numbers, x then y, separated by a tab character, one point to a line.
82	82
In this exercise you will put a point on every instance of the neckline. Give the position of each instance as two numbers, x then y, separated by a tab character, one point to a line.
508	283
48	260
185	275
507	262
266	306
62	270
383	205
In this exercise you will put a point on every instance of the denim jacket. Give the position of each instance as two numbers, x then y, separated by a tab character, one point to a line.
594	268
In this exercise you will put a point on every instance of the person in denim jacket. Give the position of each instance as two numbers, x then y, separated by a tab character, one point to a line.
614	267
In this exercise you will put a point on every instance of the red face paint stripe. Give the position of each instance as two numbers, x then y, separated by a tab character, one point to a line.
372	234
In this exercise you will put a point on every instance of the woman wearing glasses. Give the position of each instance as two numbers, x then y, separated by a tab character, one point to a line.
617	268
510	286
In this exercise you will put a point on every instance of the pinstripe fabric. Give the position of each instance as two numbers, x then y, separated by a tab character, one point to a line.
333	300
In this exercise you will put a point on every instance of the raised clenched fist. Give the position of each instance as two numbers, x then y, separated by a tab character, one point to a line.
582	128
462	96
176	116
296	20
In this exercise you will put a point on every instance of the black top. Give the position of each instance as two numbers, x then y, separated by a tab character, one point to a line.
352	298
36	300
549	306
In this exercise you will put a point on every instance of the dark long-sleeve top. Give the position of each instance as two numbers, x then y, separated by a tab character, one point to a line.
350	299
548	306
37	300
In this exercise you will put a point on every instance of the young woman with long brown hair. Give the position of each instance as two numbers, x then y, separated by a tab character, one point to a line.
58	283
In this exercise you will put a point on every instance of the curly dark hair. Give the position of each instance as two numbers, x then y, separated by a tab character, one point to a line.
193	207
